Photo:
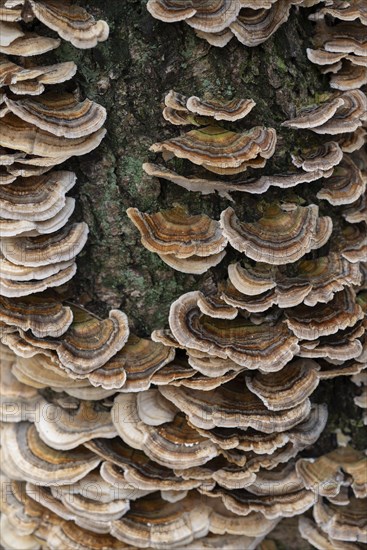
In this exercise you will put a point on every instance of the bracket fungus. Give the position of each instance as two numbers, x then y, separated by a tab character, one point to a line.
111	440
189	243
283	235
251	21
308	282
252	346
219	150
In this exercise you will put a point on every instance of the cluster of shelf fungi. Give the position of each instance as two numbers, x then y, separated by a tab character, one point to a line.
189	439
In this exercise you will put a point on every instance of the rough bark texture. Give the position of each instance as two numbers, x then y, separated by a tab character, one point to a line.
130	74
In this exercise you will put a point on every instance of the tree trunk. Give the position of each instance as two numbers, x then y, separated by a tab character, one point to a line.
130	74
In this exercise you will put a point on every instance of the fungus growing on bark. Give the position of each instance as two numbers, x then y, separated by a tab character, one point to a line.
340	113
60	246
73	23
346	185
322	158
327	474
88	343
310	323
190	243
252	346
60	114
252	22
283	235
218	150
205	184
25	456
43	315
68	427
286	388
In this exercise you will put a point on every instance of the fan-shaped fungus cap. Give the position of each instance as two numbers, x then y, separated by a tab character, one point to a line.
63	245
23	228
228	406
341	113
286	388
316	536
281	236
217	148
207	185
286	504
35	198
69	535
346	184
172	444
344	523
345	11
26	456
230	110
12	288
310	323
139	359
43	315
323	158
178	233
13	540
203	15
89	342
21	135
30	44
152	521
73	23
60	114
246	344
310	282
254	26
66	428
341	346
328	473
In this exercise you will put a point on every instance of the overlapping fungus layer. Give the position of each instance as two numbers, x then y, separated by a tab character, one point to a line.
190	438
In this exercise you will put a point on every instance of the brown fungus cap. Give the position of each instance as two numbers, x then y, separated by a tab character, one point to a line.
30	45
176	232
327	474
346	185
73	23
12	289
272	506
140	359
323	158
25	456
89	342
309	323
307	281
344	523
21	135
254	26
216	148
66	428
233	406
44	315
205	184
60	114
173	443
246	344
234	109
204	15
153	522
315	535
63	245
35	198
286	388
283	235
